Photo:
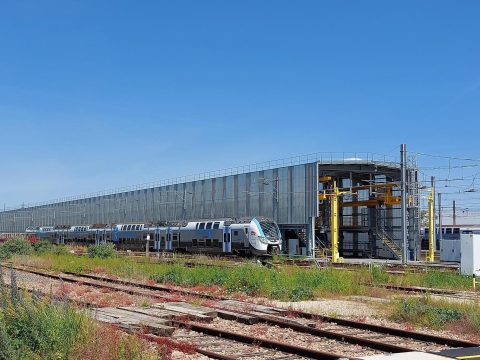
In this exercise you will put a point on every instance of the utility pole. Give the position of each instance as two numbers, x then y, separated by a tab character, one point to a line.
432	181
454	214
403	166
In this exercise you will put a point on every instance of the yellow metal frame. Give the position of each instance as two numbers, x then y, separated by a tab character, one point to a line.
334	228
431	232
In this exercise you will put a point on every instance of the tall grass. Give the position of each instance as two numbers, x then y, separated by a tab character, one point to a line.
284	283
35	327
438	314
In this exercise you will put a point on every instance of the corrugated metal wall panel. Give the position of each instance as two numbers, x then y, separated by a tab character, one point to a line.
286	194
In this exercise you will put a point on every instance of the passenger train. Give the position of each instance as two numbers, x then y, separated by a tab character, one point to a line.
247	236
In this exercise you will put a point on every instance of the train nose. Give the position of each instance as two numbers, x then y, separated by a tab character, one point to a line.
273	249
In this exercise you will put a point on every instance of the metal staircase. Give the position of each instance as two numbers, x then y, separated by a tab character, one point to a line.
389	243
322	250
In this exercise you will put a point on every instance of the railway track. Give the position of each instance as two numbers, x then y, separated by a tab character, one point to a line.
460	295
344	333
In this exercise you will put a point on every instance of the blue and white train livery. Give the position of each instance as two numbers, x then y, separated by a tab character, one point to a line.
246	236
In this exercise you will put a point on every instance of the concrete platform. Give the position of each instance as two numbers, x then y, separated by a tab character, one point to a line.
463	353
471	353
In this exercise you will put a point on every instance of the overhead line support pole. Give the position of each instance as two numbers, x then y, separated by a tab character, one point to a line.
440	234
403	164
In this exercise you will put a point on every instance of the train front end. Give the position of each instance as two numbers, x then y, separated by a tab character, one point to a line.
265	237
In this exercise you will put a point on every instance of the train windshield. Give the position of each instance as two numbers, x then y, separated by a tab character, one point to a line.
270	229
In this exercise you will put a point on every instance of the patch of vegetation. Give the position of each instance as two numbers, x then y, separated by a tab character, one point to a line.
438	314
433	278
102	251
43	246
35	327
15	246
285	284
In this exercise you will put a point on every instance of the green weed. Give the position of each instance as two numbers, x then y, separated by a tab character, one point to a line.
437	314
36	327
15	246
102	251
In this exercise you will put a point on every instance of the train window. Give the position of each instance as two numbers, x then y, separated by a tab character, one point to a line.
194	242
209	225
175	237
215	242
448	231
235	233
209	242
196	227
138	227
129	227
216	225
202	226
456	230
246	231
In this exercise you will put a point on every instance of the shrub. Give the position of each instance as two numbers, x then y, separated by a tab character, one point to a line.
102	251
15	246
43	246
435	314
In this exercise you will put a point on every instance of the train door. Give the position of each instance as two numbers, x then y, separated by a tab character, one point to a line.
97	237
227	239
168	245
246	239
115	234
156	241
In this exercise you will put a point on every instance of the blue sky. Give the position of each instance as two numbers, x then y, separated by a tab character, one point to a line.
100	94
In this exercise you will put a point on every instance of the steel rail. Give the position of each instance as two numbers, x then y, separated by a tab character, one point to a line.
372	344
344	322
265	343
441	340
350	323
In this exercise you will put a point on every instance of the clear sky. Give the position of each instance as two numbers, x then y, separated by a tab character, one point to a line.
100	94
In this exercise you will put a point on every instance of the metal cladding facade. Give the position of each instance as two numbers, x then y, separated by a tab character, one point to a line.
285	194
